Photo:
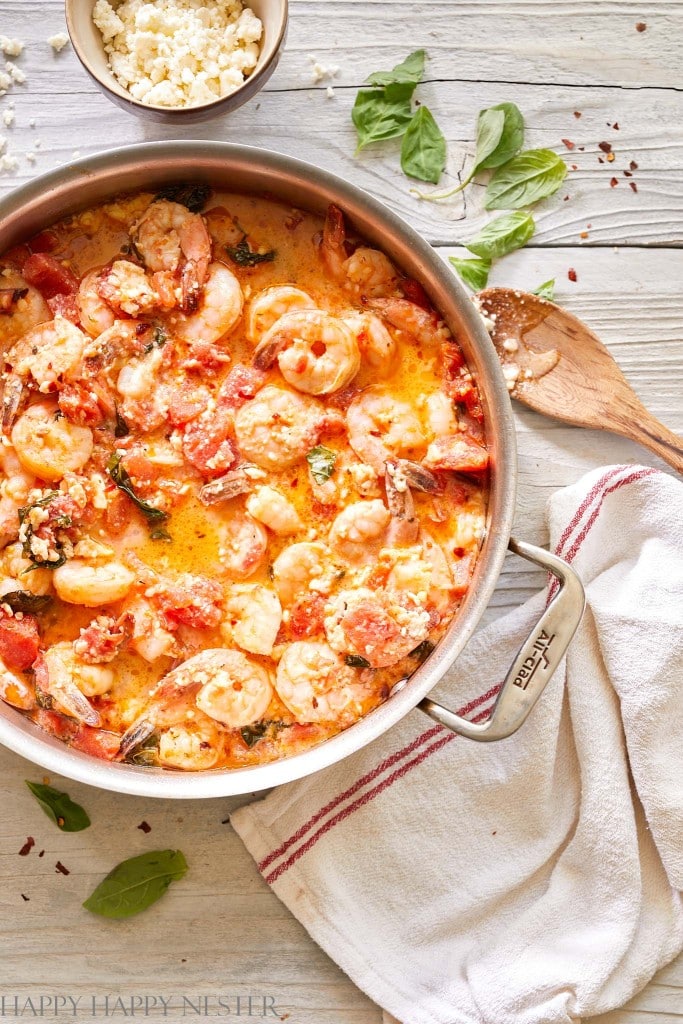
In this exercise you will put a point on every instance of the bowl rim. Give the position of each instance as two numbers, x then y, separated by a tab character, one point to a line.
247	89
22	736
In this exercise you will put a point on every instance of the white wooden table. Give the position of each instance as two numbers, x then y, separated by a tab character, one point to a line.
222	930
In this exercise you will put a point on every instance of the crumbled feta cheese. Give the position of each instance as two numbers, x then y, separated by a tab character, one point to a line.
176	53
75	155
510	344
319	71
5	82
31	157
8	117
3	143
15	73
32	123
11	47
329	92
58	41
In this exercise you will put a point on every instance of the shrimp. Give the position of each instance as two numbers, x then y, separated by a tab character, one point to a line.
270	304
422	570
242	545
144	403
316	352
148	638
366	272
22	570
70	681
77	582
14	690
253	617
359	529
26	310
458	453
301	569
95	315
382	427
219	310
315	684
376	344
381	626
278	427
125	287
193	749
170	238
274	510
421	324
225	685
48	353
47	444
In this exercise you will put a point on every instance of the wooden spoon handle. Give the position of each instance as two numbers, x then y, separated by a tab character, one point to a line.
652	434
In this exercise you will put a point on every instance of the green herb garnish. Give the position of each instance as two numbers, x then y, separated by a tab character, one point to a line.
422	651
121	428
66	814
525	180
474	273
408	72
145	755
381	114
136	883
502	235
159	339
423	150
356	661
244	256
24	601
39	563
546	290
321	460
193	196
124	483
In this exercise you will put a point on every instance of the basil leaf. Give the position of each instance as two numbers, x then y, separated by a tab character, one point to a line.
124	483
502	235
510	139
524	180
136	883
67	815
423	151
545	291
194	197
356	661
490	124
244	256
422	651
321	460
380	114
25	601
408	71
474	273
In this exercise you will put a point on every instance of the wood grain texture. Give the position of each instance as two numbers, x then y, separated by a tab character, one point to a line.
221	930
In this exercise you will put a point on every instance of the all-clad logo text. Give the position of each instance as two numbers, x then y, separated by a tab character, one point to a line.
532	662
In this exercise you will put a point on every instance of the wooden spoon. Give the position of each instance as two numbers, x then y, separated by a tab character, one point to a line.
554	364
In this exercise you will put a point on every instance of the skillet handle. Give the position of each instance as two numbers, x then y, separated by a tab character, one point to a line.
536	661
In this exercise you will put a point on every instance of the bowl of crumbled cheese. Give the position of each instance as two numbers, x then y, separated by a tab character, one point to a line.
178	60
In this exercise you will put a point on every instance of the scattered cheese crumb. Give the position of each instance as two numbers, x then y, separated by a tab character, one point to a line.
11	47
32	123
8	117
8	163
58	41
319	71
329	92
75	155
31	157
38	143
176	53
15	73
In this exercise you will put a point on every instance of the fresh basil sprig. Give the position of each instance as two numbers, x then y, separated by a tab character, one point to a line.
423	151
66	814
136	883
502	235
546	290
321	460
408	72
474	273
525	180
381	114
500	134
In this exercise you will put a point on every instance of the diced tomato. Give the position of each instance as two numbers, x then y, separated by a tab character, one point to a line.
459	454
452	358
204	355
190	601
55	724
100	642
414	292
44	241
96	742
19	639
66	306
239	386
48	275
18	255
306	617
207	447
119	511
80	405
186	403
342	399
141	469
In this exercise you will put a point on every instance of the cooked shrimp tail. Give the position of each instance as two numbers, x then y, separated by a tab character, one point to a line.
135	736
237	481
12	396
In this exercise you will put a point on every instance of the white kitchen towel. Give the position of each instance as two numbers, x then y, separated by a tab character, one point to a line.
534	880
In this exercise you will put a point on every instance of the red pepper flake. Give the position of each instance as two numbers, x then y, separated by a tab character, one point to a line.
568	143
589	225
615	126
225	821
640	26
577	113
582	149
575	167
145	827
627	174
42	853
60	867
566	198
27	847
571	274
633	165
610	158
613	182
25	898
633	186
606	147
600	160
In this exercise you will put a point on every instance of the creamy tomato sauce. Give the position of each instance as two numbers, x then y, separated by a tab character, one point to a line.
244	479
